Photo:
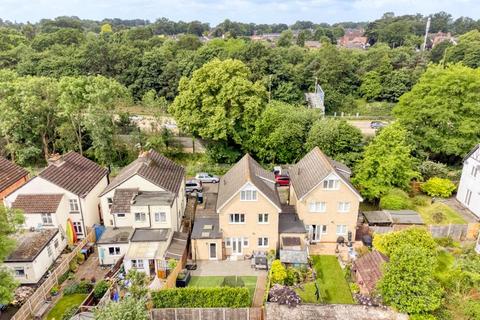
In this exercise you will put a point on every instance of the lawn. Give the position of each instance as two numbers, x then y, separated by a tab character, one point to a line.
216	281
440	214
445	261
65	303
330	280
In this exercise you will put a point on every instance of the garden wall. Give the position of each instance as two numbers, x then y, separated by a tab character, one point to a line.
275	311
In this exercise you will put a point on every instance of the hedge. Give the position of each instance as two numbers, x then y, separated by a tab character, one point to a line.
192	297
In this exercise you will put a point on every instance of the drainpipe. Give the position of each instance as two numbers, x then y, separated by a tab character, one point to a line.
149	217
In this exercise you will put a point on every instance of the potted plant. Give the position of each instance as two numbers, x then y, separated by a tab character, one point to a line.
183	279
54	291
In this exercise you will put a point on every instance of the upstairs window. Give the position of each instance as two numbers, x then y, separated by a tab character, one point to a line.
343	206
248	195
74	207
140	216
47	218
318	207
237	218
161	217
263	218
331	184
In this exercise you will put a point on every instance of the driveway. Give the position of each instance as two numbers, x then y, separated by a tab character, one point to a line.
364	126
458	207
209	205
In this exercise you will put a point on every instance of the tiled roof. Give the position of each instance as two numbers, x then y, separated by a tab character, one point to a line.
369	267
312	169
74	173
10	173
30	244
153	167
37	203
178	245
122	199
247	170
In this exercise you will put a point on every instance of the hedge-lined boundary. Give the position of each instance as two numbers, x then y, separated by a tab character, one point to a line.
192	297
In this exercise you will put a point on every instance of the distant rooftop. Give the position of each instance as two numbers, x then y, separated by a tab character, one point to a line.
152	198
116	235
150	235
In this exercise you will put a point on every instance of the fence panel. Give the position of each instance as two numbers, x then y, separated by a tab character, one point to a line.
38	298
455	231
207	314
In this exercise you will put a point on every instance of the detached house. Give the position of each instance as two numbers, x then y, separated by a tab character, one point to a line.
247	215
12	176
469	188
142	209
67	189
324	198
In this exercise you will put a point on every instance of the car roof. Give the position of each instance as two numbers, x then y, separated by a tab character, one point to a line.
192	181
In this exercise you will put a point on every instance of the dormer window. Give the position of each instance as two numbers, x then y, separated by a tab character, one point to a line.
331	184
248	194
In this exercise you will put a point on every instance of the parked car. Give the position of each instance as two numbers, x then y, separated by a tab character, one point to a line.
377	124
207	177
193	186
282	180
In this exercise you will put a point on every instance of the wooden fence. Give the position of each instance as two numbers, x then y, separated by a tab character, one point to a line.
39	297
457	232
207	314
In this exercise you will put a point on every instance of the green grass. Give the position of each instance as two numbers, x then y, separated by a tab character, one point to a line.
64	304
216	281
447	216
444	266
330	280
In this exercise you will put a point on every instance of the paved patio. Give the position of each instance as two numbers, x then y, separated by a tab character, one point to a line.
226	268
91	268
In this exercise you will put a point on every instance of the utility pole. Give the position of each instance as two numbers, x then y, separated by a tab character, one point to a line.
269	88
426	34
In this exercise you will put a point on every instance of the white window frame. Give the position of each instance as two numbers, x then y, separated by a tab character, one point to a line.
77	226
49	250
19	272
342	226
228	243
74	206
232	218
137	263
249	194
116	251
468	197
142	217
317	206
343	206
262	242
47	218
161	217
331	184
109	202
263	218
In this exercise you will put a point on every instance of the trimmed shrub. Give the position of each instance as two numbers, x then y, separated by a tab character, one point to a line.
73	265
233	282
81	287
278	272
430	169
100	288
80	258
192	297
395	199
421	201
63	277
438	187
293	276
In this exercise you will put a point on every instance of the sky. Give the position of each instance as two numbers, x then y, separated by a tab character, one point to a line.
215	11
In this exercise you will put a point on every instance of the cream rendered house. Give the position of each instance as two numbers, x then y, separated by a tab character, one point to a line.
142	209
68	188
247	215
324	198
468	193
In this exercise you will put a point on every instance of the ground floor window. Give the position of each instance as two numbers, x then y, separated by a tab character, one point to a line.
263	242
341	229
19	272
137	264
316	231
236	244
77	226
114	251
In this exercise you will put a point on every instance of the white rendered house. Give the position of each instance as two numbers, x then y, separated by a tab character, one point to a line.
469	188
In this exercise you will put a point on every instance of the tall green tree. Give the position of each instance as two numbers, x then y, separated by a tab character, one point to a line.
219	102
387	163
408	282
442	111
336	138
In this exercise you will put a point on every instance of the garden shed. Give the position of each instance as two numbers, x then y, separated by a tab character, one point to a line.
367	271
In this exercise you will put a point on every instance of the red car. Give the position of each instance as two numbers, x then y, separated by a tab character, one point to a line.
282	180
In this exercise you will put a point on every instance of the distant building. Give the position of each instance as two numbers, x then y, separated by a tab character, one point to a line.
353	39
468	192
316	100
313	44
440	37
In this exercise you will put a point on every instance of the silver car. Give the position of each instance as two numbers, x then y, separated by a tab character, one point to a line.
193	186
207	177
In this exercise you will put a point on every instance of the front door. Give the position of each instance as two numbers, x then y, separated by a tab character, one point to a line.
213	251
237	246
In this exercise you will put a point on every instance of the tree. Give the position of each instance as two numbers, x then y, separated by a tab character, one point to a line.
280	133
408	282
219	102
285	39
441	111
106	28
278	272
127	309
336	138
387	163
139	282
388	243
438	187
10	220
466	51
